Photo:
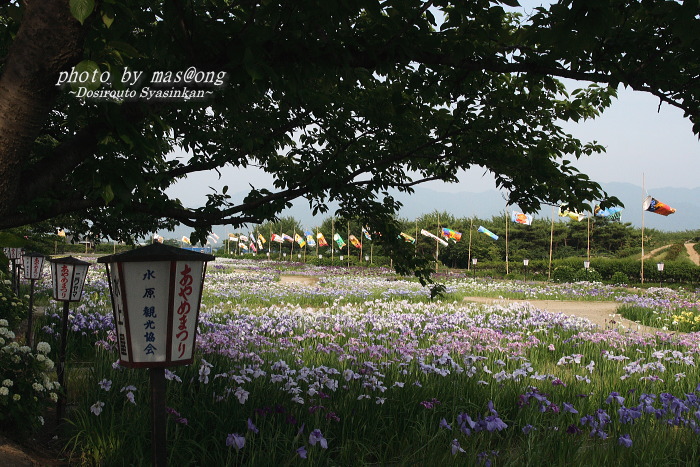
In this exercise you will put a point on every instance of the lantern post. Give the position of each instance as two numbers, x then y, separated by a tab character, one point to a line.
586	266
156	291
33	268
474	260
525	263
660	268
14	254
67	280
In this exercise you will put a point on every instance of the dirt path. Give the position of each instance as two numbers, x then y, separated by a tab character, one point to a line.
599	313
14	455
694	256
291	279
655	251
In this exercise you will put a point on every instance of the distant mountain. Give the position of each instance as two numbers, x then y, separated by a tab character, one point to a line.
486	204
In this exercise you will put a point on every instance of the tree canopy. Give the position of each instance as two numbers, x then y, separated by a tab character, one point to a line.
337	100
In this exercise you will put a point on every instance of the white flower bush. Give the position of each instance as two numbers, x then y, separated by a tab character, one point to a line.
27	386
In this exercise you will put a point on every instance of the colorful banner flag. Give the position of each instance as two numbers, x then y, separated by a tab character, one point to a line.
261	239
433	236
300	240
215	236
656	206
310	238
288	238
453	234
571	214
186	240
614	213
277	238
339	240
252	247
61	233
486	231
243	238
232	237
321	239
355	242
260	244
243	245
521	218
366	234
407	238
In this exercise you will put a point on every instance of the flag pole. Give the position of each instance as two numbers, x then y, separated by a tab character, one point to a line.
471	226
361	244
588	238
507	271
332	240
551	242
349	242
437	245
415	244
291	252
643	192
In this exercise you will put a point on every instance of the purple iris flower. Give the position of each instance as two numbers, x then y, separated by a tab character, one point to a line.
615	396
302	452
528	428
456	448
317	437
494	423
628	415
573	430
235	440
625	440
252	427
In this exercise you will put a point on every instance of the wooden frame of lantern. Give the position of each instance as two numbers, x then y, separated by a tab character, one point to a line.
67	280
33	268
156	292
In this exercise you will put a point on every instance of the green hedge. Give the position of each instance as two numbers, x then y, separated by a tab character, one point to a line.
606	269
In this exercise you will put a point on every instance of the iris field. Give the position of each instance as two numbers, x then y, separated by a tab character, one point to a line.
362	368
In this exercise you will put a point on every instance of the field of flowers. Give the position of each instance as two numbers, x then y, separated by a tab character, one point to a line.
362	368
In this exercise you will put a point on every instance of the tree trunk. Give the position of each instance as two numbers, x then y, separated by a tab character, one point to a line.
48	41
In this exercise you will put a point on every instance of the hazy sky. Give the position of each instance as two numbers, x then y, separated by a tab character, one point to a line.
639	138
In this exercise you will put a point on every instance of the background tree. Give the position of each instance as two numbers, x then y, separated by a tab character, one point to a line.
337	100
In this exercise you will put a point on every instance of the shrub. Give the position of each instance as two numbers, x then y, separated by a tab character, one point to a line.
563	274
587	275
12	308
619	278
26	389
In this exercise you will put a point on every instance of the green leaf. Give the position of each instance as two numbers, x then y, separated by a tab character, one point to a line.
81	9
88	73
107	15
107	194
